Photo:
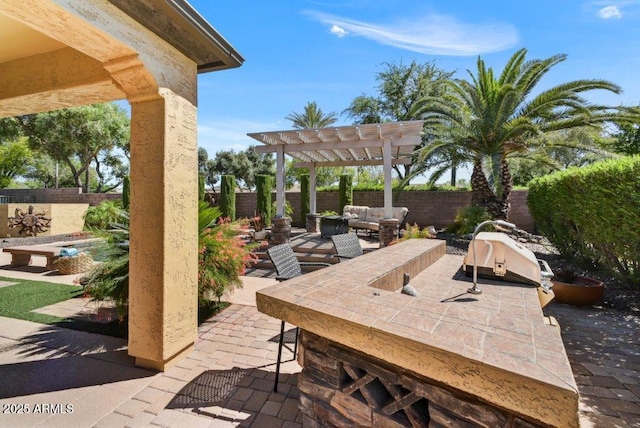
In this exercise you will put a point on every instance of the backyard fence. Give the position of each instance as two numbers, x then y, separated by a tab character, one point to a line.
436	208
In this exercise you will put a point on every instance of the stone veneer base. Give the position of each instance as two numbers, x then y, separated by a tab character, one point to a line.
342	387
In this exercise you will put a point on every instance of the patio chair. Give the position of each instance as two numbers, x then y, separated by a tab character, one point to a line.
347	246
287	266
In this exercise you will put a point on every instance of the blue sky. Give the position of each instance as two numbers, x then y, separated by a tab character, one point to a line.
330	51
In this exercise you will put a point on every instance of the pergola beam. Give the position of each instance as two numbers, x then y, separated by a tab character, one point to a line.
363	162
342	145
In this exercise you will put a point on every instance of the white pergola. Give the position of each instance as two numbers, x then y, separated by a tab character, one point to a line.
384	144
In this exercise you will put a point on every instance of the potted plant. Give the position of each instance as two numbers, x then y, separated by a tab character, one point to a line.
257	222
576	290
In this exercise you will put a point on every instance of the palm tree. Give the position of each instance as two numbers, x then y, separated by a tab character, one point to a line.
493	118
313	117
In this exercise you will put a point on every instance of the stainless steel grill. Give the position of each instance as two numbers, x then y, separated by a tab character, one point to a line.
500	257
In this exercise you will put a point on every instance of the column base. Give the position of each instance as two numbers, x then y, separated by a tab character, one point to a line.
313	223
163	366
280	230
388	231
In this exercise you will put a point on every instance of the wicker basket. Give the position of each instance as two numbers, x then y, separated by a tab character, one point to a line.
74	264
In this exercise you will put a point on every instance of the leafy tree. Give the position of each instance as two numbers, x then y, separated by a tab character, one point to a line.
559	150
400	91
80	136
41	173
627	139
325	176
14	158
497	116
313	117
243	165
10	129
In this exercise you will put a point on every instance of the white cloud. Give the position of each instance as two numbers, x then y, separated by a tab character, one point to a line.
340	32
432	34
610	12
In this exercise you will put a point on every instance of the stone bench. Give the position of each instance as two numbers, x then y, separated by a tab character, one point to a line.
21	255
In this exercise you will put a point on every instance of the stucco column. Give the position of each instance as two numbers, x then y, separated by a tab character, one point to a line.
163	254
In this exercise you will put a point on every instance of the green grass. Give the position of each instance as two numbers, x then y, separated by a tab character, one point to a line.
17	301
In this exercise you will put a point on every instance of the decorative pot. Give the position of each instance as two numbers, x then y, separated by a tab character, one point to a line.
582	292
260	235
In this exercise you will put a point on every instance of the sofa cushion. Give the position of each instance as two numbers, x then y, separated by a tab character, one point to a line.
400	213
374	214
359	211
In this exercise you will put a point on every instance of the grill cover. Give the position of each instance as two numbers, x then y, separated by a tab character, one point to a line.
500	257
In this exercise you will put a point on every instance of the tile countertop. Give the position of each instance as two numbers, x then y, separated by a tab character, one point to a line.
496	346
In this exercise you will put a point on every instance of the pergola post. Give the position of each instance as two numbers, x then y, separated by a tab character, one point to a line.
388	191
280	181
312	188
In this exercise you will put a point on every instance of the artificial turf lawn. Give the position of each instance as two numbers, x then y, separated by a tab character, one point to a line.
17	301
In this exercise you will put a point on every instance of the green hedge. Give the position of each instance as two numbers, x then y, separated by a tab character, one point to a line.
592	214
264	186
345	191
305	203
228	196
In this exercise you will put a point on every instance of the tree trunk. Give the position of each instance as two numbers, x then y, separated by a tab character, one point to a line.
482	195
507	186
453	175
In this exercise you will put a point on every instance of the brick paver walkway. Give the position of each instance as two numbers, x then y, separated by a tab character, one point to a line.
603	347
227	381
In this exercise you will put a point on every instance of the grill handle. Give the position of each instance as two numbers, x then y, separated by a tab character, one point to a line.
545	270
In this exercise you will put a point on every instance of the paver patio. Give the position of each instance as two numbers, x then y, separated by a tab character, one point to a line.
228	379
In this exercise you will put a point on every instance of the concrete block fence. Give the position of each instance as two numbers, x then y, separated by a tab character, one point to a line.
426	208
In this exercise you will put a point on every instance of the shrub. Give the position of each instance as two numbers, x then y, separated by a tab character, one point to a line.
222	257
228	196
288	209
591	214
467	219
126	192
201	188
345	191
413	231
264	186
305	203
103	214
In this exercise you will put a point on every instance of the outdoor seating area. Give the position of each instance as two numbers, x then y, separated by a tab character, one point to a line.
166	263
368	218
229	377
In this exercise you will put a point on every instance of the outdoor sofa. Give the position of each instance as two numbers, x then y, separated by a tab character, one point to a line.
368	218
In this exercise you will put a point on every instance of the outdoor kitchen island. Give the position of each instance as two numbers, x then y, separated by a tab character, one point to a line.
372	356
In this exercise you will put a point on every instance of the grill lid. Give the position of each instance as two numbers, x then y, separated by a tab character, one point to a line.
500	257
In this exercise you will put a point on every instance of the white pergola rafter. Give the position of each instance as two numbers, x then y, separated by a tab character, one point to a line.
384	144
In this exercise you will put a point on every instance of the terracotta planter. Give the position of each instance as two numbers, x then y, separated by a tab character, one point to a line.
582	292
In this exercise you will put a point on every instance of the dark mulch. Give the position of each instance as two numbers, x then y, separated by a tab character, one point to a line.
617	294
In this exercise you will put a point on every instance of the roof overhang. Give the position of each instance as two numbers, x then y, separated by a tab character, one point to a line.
180	25
345	145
